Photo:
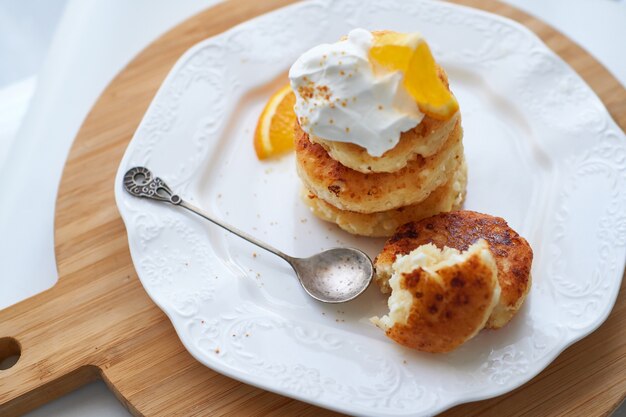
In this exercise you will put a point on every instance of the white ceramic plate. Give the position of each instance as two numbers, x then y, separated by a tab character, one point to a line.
542	151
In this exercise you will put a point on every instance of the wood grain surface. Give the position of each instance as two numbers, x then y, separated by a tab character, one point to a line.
98	322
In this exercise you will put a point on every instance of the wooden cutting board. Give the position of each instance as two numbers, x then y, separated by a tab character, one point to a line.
97	321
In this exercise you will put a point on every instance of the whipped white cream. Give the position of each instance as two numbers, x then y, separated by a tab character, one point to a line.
340	97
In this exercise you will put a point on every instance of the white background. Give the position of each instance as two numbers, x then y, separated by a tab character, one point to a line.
57	56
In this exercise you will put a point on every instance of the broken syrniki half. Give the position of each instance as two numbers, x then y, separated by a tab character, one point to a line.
440	298
459	230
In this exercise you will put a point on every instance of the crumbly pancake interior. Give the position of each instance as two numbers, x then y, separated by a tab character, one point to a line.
440	297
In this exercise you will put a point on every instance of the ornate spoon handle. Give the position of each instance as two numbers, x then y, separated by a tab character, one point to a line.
140	182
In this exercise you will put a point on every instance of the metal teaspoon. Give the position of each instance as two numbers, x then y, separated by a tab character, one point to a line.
333	276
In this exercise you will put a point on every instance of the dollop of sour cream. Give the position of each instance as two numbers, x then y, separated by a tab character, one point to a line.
341	96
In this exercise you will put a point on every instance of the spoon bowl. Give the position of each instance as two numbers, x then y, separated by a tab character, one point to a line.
335	275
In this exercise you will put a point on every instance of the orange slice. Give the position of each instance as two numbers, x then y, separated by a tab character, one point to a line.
274	130
410	54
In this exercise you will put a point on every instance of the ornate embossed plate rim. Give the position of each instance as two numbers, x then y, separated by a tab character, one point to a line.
214	361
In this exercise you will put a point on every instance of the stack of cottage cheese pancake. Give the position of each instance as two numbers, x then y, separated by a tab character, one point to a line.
379	149
370	155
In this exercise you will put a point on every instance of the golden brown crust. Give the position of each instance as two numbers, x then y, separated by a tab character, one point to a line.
424	140
351	190
446	314
449	196
459	230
